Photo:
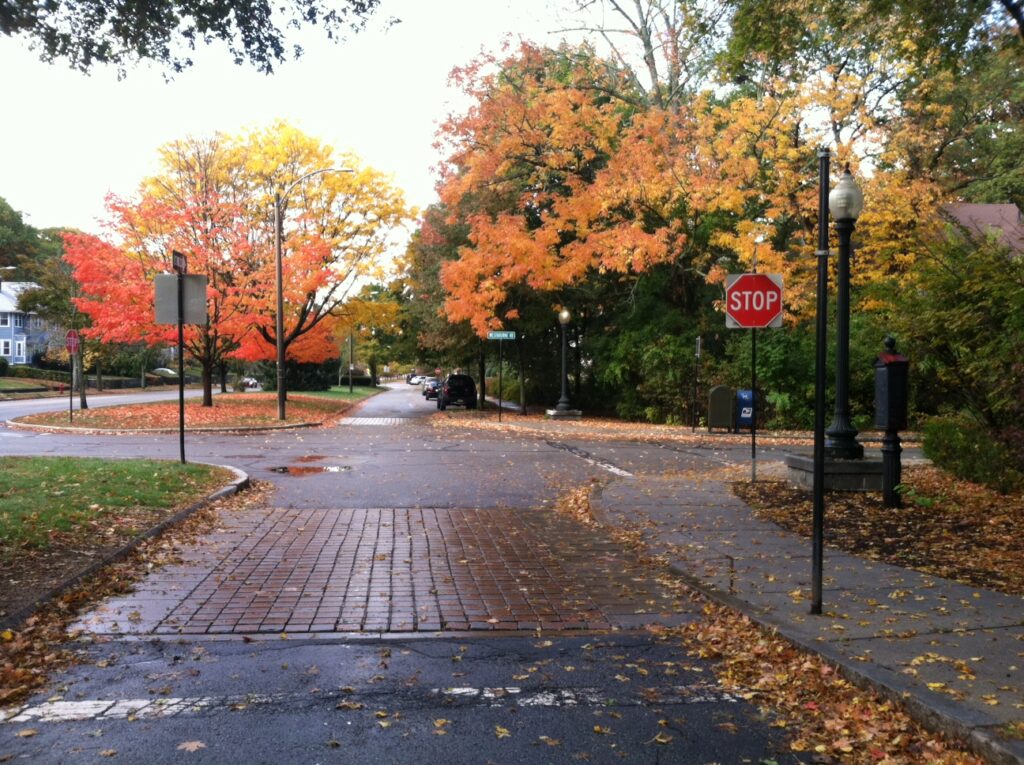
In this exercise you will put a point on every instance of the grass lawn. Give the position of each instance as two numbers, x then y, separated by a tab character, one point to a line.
341	393
231	410
10	383
46	501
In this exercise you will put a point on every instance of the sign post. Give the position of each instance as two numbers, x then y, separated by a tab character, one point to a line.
500	335
72	341
753	301
180	300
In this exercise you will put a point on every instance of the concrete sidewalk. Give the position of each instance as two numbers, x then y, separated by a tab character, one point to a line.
953	654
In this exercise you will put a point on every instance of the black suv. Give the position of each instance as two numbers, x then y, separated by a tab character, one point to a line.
457	389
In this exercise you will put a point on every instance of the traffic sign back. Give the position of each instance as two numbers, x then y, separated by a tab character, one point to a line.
753	301
71	341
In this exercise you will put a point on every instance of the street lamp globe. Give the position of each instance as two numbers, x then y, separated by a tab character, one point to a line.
845	201
564	317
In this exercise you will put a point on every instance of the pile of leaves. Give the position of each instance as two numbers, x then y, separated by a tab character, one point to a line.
44	644
244	410
576	504
947	527
827	716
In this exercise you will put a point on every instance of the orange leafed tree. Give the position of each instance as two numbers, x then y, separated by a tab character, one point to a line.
564	181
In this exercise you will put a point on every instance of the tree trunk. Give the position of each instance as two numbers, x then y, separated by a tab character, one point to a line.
483	374
99	378
223	377
78	375
522	377
142	374
207	383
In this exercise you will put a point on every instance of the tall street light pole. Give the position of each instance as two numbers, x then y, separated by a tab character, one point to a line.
845	203
279	199
563	405
820	360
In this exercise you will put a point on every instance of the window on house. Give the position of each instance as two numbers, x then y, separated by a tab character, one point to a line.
5	320
5	347
19	349
19	320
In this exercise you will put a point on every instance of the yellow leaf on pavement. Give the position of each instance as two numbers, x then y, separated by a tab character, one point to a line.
501	732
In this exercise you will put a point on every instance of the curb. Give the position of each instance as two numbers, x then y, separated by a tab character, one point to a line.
15	425
240	482
977	739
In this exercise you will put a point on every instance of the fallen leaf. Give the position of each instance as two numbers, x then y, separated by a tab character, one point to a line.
501	732
191	746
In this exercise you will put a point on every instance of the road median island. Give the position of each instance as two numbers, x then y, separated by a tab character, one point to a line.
241	412
62	560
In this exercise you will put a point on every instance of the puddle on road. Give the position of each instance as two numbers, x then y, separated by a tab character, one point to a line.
310	470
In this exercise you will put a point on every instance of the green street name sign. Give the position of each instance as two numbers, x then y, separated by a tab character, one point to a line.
501	334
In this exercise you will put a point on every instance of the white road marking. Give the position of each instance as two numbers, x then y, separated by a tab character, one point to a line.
374	421
113	709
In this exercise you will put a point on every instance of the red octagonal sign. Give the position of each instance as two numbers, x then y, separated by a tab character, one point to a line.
753	301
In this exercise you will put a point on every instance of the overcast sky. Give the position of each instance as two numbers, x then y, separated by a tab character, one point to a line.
66	139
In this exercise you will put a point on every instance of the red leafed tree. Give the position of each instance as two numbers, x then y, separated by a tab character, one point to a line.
117	281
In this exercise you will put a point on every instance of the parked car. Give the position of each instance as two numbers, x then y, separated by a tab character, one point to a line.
457	389
415	379
430	387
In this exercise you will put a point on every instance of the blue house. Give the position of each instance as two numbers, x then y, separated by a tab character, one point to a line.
21	334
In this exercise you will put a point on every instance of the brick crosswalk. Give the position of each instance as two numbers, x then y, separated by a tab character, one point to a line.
392	570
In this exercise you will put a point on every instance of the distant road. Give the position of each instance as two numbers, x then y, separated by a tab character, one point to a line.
19	408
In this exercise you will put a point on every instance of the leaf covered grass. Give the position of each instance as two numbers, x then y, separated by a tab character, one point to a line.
31	652
948	527
241	410
52	500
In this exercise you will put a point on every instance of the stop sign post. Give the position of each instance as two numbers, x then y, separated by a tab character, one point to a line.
753	301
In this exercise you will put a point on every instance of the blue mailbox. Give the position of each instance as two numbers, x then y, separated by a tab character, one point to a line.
745	403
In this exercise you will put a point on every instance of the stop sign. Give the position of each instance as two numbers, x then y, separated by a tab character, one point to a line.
753	301
71	341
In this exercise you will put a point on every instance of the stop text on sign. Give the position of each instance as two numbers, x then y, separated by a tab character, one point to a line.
753	301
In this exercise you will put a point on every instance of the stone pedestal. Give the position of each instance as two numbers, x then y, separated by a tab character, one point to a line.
840	475
571	414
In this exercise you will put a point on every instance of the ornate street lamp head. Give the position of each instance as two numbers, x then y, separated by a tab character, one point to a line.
846	202
564	317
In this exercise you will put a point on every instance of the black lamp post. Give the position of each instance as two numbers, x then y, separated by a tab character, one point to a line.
845	202
563	405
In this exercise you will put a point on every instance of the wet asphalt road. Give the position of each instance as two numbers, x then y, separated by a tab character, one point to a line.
557	696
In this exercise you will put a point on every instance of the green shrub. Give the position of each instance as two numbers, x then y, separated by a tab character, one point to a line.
32	373
967	449
4	366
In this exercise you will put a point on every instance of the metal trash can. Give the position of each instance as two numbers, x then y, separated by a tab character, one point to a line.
745	403
720	408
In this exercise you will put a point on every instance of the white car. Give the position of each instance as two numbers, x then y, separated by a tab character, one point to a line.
416	379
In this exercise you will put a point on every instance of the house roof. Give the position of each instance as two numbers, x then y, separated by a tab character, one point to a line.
1004	221
9	292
